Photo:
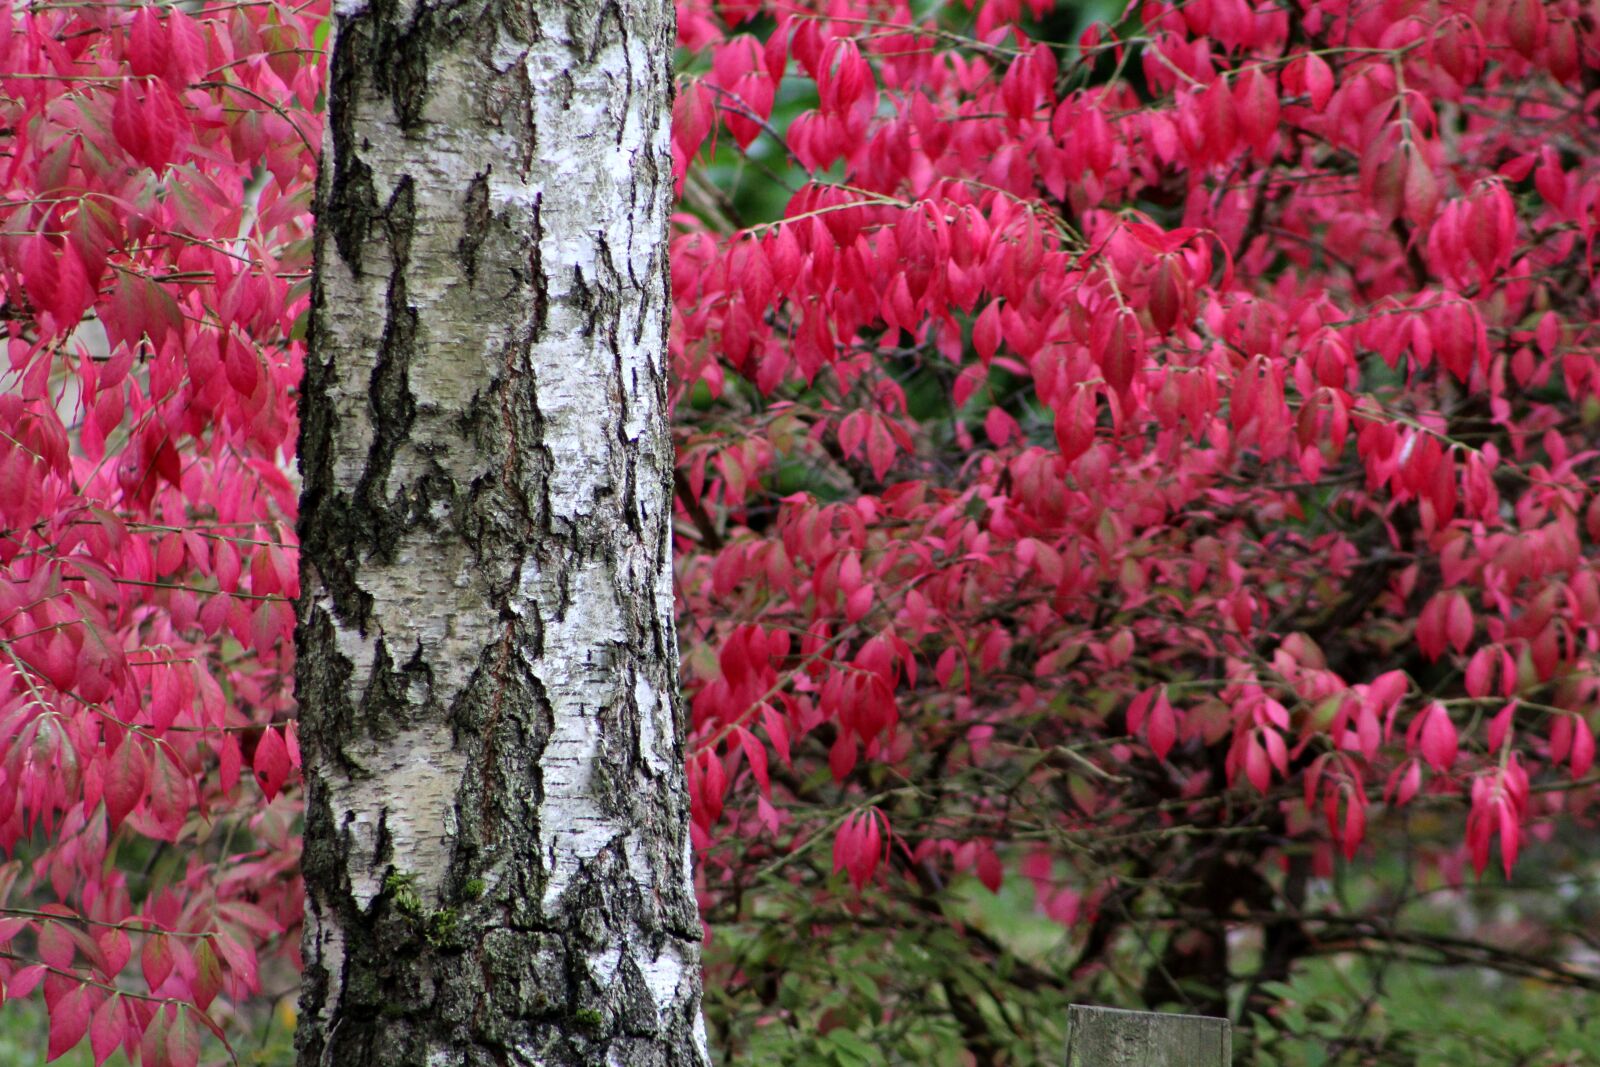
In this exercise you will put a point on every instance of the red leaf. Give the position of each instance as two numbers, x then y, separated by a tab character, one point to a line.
1075	422
207	981
1458	622
986	332
777	732
1318	81
880	448
1582	757
1219	120
858	603
126	774
852	432
1438	738
170	795
1430	630
1526	26
240	957
989	870
858	846
148	48
115	951
842	756
1421	192
106	1029
229	761
1257	767
10	928
756	753
1140	707
1510	836
1163	727
183	1040
1256	101
1404	783
713	785
1277	751
846	844
785	258
291	742
56	946
1354	827
155	959
692	115
271	762
1479	678
69	1021
1119	348
153	1051
1500	727
999	426
56	281
25	981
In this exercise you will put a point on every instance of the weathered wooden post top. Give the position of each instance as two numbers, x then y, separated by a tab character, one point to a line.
1109	1037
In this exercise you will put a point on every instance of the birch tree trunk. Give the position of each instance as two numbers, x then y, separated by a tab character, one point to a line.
497	850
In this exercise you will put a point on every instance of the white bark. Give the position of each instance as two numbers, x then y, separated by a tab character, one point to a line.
488	680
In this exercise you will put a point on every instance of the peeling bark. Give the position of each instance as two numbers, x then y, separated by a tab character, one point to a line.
497	851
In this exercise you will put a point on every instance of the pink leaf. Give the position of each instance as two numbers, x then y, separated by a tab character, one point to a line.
842	756
271	762
880	448
291	742
1439	744
207	980
1582	757
56	945
126	773
25	981
153	1051
106	1029
69	1021
1510	835
1257	767
777	732
852	432
229	762
115	950
756	753
1163	727
155	959
989	870
846	843
170	795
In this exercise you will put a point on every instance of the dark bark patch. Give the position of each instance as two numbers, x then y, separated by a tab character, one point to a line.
540	282
393	408
351	202
475	216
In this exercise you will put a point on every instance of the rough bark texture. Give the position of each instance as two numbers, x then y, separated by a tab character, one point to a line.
1106	1037
497	853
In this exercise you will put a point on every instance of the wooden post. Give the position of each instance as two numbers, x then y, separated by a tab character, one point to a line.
1108	1037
